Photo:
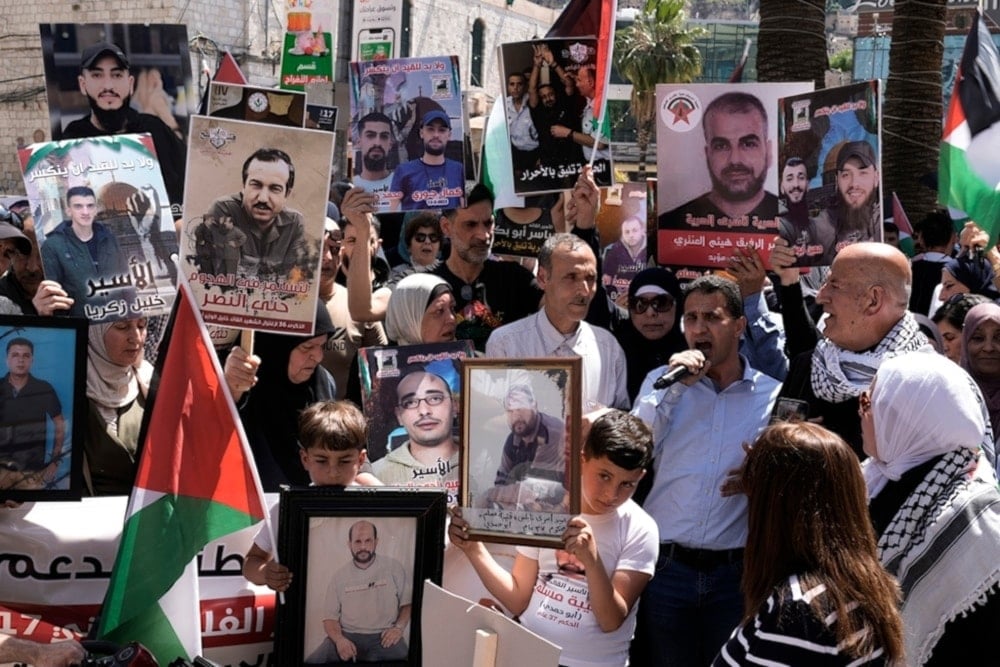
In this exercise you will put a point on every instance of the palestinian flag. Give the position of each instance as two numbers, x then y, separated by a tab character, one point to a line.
196	483
969	169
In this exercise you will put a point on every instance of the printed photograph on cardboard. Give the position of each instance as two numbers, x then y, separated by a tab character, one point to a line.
359	558
42	407
307	55
521	448
520	231
549	103
109	78
716	155
411	397
103	224
257	104
408	131
621	223
830	193
255	206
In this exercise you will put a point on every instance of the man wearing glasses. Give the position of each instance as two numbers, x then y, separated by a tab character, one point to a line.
424	407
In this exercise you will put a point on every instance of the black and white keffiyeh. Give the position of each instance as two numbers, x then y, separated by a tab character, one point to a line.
839	375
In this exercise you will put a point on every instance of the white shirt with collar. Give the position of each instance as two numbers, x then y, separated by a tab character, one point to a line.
603	361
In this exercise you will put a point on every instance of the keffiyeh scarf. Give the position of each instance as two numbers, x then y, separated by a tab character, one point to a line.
839	375
942	546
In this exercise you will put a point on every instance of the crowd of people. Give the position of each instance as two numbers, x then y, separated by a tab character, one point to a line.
807	491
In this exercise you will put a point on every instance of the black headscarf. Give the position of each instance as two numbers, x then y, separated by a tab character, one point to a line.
271	411
641	354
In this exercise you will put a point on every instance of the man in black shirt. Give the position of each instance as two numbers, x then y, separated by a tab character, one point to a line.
106	81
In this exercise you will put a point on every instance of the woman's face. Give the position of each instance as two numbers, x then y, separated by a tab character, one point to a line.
124	341
867	421
304	359
657	316
425	246
950	286
438	324
984	350
952	339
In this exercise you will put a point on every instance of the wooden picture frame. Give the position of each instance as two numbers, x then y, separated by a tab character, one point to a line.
51	353
324	534
507	403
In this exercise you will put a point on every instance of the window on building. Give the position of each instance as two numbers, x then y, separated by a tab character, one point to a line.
476	75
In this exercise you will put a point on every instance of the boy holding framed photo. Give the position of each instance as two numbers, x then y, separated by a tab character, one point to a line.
591	586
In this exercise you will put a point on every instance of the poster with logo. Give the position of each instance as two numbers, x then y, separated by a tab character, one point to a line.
829	152
549	104
257	104
408	132
104	224
307	49
412	438
716	158
254	209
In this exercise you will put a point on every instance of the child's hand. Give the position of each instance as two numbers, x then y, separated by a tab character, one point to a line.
578	540
277	576
458	531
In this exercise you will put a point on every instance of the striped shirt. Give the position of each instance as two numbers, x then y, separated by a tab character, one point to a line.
787	631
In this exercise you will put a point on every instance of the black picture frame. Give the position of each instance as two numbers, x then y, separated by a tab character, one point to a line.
59	367
410	521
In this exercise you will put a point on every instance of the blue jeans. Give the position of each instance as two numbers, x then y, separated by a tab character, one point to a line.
686	614
369	649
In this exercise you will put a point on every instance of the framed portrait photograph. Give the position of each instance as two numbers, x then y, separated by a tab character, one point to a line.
360	557
42	407
521	448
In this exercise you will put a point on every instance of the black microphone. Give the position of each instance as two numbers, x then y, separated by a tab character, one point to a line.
671	376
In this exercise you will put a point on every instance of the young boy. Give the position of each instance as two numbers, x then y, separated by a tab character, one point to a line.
582	597
333	436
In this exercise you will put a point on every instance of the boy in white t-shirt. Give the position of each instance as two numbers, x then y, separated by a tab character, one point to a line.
333	440
583	597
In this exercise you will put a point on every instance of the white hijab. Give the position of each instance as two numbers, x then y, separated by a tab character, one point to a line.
923	405
405	312
110	386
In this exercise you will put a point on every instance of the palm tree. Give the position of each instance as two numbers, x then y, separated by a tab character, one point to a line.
911	126
656	48
791	41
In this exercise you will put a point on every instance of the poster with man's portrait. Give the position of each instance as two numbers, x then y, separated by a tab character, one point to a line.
114	78
104	225
622	225
553	111
408	130
521	448
360	556
830	193
716	160
42	407
255	206
411	396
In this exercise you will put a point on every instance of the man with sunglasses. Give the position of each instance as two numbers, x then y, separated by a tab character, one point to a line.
424	407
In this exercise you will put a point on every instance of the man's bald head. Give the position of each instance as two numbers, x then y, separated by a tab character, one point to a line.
865	295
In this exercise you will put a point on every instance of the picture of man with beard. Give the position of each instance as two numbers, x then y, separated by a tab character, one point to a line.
536	444
738	154
275	235
375	140
367	605
431	180
108	85
856	215
808	237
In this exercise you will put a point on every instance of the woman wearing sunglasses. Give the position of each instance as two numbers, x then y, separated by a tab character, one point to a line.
421	243
652	331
